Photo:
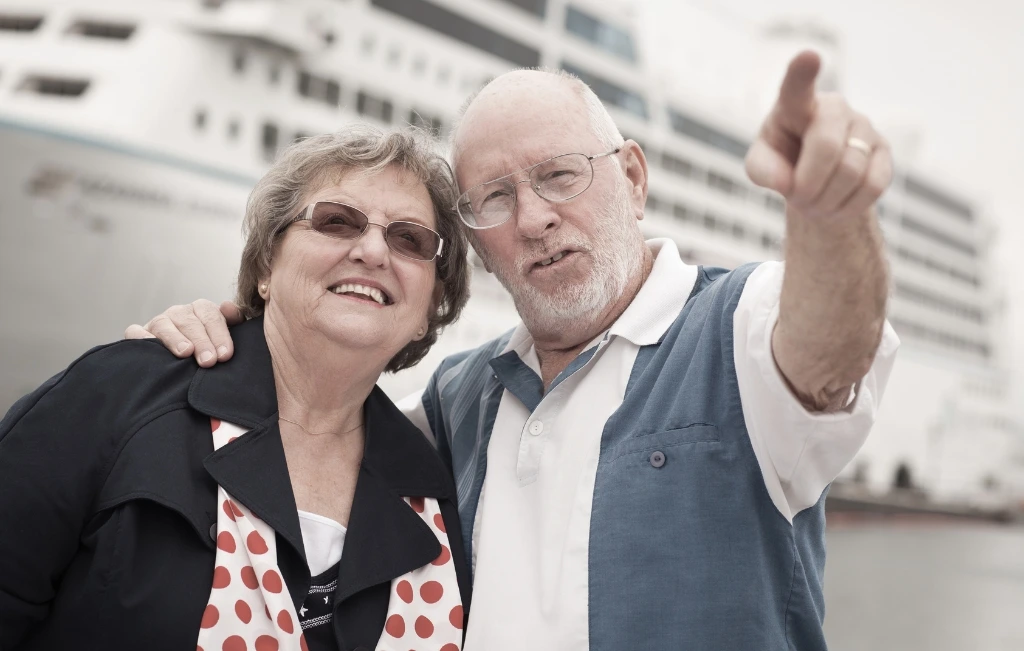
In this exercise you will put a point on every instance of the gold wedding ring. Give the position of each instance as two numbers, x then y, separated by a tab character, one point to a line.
860	145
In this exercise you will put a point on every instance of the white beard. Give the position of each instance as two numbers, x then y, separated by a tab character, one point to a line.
617	252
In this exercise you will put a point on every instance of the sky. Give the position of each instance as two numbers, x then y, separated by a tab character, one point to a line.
943	79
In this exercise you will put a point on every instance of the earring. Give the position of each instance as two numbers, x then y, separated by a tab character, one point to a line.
263	290
420	333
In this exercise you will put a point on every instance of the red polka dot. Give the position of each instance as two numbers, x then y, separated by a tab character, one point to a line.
237	511
226	542
243	611
199	648
284	621
249	577
439	522
431	591
416	503
404	591
395	626
256	544
221	577
424	627
443	557
210	617
266	643
302	642
272	581
232	439
214	424
456	617
234	643
450	647
227	509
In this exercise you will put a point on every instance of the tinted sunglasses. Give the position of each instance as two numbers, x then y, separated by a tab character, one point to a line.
407	239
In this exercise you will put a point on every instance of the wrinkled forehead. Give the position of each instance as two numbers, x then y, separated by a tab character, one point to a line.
506	131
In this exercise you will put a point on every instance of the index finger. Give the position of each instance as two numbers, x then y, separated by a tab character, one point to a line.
796	96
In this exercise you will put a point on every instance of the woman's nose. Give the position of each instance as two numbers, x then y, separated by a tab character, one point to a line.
371	247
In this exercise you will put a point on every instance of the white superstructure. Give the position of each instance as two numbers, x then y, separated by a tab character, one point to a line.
131	132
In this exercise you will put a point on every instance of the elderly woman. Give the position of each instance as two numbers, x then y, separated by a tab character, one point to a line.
279	501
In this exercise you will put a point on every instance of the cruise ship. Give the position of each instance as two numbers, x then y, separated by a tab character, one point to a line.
131	133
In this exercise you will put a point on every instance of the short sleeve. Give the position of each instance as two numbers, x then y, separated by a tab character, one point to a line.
799	452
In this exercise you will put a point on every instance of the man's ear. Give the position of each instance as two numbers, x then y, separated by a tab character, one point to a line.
635	168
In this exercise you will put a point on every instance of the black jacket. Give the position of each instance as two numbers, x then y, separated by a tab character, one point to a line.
108	500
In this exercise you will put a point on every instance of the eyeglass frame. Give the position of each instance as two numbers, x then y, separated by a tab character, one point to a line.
307	215
529	171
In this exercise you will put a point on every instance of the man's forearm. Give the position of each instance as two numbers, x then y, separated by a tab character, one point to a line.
832	308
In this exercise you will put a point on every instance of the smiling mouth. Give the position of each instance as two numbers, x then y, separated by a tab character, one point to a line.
362	292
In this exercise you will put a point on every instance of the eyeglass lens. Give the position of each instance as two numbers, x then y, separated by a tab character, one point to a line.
405	238
558	179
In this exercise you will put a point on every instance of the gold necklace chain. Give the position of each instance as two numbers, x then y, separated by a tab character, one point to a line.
289	420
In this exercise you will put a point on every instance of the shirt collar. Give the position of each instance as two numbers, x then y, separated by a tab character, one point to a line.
661	298
652	311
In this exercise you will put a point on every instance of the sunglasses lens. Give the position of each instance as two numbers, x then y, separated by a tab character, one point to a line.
412	240
338	220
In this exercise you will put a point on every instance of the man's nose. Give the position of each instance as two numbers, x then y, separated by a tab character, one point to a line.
535	215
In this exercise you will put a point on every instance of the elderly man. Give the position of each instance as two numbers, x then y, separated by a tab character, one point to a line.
642	462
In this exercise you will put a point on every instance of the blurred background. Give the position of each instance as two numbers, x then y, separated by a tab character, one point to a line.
132	130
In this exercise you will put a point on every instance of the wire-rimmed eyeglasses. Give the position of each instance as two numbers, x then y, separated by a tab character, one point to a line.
407	239
559	178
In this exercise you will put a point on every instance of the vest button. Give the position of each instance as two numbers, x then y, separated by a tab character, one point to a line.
657	458
213	532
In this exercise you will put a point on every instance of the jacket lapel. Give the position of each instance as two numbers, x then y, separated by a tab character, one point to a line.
386	538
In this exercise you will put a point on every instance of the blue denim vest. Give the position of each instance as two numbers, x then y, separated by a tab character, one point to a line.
687	550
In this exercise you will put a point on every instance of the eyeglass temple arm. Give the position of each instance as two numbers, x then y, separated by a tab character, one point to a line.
607	153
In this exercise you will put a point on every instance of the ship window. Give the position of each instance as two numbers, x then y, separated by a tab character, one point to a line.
374	107
319	88
419	65
911	223
55	86
394	56
238	61
199	119
535	7
687	126
609	38
275	74
680	212
725	184
429	122
677	165
939	198
100	29
270	139
234	128
19	23
463	29
609	92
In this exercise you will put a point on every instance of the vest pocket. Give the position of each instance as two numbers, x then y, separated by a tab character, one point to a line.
695	433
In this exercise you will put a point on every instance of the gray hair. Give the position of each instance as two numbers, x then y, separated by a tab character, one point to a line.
308	165
601	123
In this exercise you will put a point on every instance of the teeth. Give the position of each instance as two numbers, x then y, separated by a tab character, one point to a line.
556	258
369	292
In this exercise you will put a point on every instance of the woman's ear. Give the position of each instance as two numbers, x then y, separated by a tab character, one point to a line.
435	303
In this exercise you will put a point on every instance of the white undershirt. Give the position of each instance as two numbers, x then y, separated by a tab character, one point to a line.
323	540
